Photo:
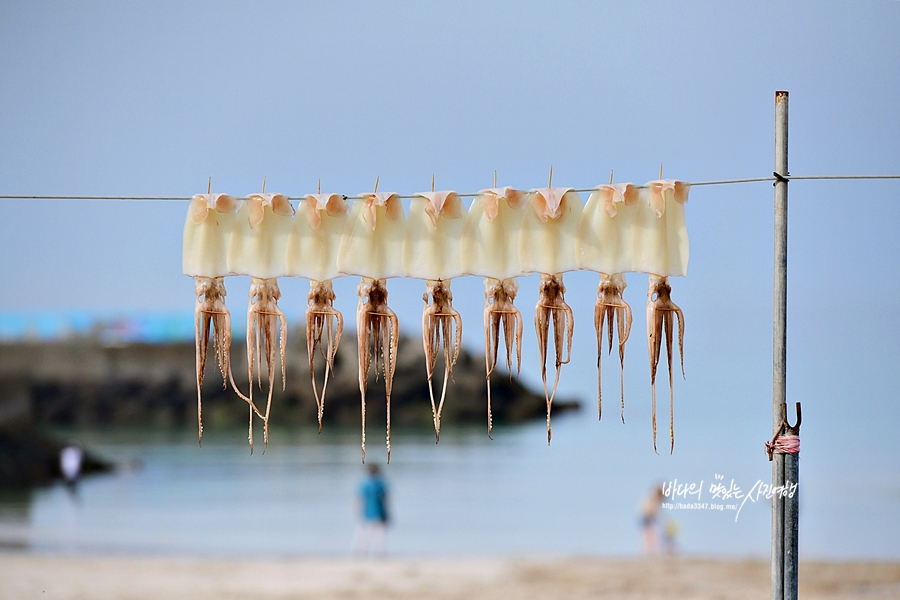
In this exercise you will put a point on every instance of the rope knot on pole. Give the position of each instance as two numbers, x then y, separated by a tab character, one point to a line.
787	437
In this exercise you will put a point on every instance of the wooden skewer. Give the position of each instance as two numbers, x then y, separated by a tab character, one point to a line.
320	187
376	184
432	182
264	185
495	178
208	185
660	170
550	181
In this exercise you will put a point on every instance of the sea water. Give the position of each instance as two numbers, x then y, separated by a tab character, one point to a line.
513	495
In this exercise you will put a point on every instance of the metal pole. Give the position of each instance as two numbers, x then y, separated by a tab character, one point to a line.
779	371
791	509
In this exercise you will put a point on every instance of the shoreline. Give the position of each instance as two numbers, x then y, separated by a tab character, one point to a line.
27	575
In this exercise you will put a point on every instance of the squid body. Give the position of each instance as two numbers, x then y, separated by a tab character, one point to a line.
659	244
258	245
312	250
547	246
661	234
431	251
372	247
490	248
604	245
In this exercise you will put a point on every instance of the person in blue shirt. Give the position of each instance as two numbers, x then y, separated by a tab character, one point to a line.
372	506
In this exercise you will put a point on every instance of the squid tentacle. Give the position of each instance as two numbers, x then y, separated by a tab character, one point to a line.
362	334
200	361
389	377
488	365
624	332
599	316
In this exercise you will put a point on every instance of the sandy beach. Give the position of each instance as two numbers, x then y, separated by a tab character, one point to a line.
136	578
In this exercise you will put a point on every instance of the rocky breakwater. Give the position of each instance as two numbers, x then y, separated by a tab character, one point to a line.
82	382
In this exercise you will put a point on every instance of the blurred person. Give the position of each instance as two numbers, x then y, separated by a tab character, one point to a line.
71	459
372	507
670	537
650	509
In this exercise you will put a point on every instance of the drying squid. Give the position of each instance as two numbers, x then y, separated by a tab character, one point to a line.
490	248
604	242
661	249
207	230
547	246
312	248
372	247
259	249
431	252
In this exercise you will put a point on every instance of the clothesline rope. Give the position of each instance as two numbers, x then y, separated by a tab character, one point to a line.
464	195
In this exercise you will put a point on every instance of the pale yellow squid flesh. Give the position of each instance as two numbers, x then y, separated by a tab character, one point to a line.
660	310
263	320
500	312
376	325
211	316
552	308
612	311
322	319
438	319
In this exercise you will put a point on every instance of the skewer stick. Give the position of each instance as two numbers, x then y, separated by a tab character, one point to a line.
610	177
660	170
319	189
432	182
550	181
264	185
495	178
208	185
376	184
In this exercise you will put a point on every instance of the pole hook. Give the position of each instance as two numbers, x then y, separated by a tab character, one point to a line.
791	429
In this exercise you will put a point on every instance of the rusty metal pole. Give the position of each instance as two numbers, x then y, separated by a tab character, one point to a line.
779	372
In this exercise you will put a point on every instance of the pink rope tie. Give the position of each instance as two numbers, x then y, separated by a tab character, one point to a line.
783	444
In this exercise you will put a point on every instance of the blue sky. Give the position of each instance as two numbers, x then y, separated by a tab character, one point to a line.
151	99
